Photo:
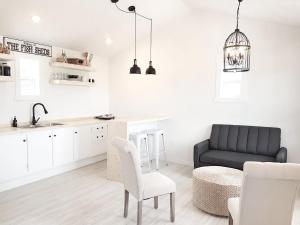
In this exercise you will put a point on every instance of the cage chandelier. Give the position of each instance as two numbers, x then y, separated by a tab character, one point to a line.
237	49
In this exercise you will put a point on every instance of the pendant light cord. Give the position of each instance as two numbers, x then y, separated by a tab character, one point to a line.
151	27
121	9
238	15
135	35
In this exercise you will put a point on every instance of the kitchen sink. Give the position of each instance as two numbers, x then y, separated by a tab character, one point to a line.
30	126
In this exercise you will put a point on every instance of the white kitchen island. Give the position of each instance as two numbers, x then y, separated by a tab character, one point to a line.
122	127
31	154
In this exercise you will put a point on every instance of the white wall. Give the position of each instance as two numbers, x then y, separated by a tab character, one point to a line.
187	56
60	101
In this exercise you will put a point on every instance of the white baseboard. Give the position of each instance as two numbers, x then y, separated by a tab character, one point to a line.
181	162
49	173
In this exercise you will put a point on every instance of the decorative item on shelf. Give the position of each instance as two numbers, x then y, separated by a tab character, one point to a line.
91	56
72	77
237	50
135	69
6	70
106	117
15	122
87	58
61	76
85	61
4	49
62	58
75	61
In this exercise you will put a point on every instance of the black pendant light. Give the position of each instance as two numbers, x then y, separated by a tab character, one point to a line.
150	70
135	69
237	50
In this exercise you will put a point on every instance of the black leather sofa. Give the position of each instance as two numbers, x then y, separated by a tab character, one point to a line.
233	145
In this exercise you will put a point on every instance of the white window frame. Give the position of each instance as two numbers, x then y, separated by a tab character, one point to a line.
18	80
244	89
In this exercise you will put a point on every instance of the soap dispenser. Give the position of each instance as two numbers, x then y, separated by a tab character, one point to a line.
15	122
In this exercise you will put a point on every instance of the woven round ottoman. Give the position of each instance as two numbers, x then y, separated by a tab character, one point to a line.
213	185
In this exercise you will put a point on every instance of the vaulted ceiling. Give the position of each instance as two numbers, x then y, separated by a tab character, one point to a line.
85	24
278	11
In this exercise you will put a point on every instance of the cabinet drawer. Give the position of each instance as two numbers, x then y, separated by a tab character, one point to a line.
100	129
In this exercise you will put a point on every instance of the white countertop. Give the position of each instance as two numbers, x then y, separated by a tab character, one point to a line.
139	120
4	130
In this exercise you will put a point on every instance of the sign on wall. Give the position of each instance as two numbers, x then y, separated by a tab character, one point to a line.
27	47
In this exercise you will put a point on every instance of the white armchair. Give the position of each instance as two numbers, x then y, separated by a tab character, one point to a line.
268	195
142	187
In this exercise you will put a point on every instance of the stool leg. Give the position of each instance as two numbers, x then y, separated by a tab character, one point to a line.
148	153
138	146
150	146
126	203
164	148
156	202
156	148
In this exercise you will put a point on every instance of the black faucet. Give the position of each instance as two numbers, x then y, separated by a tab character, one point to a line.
34	121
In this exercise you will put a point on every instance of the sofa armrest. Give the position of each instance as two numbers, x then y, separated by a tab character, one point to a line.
281	155
199	149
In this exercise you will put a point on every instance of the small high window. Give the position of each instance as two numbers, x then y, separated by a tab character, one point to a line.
28	80
231	86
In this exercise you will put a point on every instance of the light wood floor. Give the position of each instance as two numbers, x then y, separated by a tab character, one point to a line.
85	197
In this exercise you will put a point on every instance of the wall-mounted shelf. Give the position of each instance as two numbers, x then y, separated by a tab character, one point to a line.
6	57
7	79
72	66
71	83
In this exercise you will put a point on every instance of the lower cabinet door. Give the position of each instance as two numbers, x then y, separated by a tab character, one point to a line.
63	146
83	142
39	151
13	157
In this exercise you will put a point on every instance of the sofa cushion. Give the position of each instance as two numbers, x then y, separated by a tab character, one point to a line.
246	139
231	159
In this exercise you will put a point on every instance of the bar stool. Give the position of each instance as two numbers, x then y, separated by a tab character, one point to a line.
141	140
158	136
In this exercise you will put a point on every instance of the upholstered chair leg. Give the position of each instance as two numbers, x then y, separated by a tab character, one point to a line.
126	203
172	207
155	202
230	219
164	149
140	212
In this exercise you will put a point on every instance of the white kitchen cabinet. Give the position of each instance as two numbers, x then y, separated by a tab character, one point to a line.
99	135
13	156
39	151
63	146
83	142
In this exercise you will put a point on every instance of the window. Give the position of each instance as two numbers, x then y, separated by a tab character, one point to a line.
231	87
28	82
